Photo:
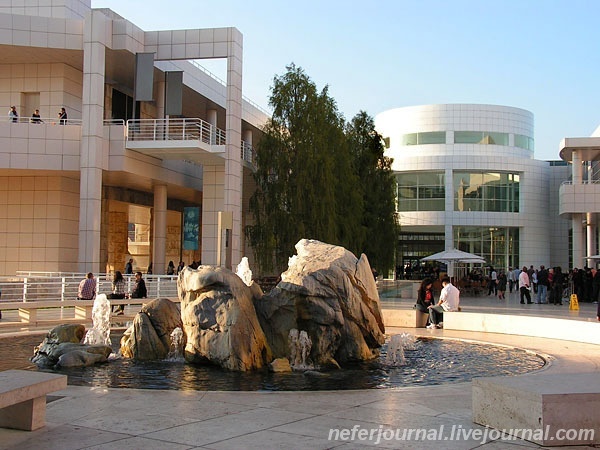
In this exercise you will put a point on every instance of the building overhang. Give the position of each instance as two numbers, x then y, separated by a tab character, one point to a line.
587	148
188	150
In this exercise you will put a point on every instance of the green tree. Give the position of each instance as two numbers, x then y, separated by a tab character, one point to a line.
310	178
377	185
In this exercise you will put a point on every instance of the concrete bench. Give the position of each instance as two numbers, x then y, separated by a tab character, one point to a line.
404	318
23	397
548	409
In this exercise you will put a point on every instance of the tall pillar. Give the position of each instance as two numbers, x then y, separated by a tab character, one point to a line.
577	219
211	117
159	241
591	234
90	184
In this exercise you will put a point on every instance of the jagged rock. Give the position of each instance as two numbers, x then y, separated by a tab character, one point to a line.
219	320
62	348
330	294
149	337
280	365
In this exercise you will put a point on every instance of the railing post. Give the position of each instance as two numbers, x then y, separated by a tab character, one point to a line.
25	289
183	130
158	287
154	130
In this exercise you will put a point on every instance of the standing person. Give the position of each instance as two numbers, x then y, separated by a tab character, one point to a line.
129	267
62	116
511	280
139	290
180	267
557	289
534	281
425	296
149	271
595	286
87	288
449	301
524	286
35	117
493	282
542	292
13	116
171	268
118	291
501	285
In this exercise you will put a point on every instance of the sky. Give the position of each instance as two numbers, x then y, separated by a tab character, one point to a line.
539	55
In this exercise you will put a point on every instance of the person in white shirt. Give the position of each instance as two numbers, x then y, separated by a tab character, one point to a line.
449	300
524	286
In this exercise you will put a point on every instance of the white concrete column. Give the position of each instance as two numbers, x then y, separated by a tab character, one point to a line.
591	234
578	239
212	202
95	39
211	117
577	168
160	100
159	240
233	125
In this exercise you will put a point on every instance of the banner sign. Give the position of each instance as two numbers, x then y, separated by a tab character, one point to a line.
191	228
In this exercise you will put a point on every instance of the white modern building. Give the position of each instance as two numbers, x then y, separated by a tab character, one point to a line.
154	158
467	178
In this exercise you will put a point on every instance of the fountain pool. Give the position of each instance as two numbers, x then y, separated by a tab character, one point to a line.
432	361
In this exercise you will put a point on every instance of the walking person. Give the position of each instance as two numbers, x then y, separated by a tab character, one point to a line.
493	279
502	281
542	285
524	286
129	267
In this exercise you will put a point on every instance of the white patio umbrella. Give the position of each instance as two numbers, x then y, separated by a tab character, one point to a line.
454	255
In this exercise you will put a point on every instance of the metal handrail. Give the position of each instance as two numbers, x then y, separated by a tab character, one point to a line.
47	286
44	121
187	129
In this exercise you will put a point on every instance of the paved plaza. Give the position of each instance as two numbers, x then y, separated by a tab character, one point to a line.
100	418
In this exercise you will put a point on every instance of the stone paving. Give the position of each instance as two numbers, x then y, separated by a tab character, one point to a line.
100	418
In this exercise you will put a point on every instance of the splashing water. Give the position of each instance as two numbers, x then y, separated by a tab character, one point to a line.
300	345
99	334
395	351
243	271
408	341
175	352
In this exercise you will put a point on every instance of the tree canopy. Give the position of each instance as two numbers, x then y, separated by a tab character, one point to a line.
319	177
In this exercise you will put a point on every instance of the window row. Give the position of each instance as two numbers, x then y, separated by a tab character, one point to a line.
466	137
472	191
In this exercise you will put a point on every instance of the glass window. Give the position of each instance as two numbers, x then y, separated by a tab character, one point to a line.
480	137
496	245
429	137
421	191
523	141
486	191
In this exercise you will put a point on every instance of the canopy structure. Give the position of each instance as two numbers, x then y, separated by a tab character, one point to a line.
454	255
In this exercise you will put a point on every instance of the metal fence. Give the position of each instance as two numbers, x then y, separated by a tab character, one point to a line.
45	286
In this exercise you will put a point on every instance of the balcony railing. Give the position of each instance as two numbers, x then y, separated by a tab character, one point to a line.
174	129
45	121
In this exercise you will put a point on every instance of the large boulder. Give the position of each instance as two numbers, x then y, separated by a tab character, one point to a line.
62	348
149	337
219	320
330	294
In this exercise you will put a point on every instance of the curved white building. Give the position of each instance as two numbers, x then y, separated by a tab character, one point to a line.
467	178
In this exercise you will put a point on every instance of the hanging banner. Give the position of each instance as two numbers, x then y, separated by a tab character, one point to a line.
191	228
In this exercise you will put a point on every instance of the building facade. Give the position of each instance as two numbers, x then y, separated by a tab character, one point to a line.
467	179
153	172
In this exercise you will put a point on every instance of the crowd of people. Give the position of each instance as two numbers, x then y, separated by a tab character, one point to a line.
13	116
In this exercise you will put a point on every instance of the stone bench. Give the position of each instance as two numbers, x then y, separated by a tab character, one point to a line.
404	318
548	403
23	397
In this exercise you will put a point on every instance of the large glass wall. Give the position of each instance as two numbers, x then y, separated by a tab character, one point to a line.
498	246
486	191
420	191
524	142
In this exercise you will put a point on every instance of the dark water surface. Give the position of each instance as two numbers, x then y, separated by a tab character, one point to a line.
434	361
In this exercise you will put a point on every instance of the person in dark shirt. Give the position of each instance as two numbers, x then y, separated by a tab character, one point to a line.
139	290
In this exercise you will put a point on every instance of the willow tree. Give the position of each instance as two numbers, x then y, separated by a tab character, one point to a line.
301	161
377	188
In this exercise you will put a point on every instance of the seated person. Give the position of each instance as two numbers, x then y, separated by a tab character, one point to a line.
449	300
118	291
87	288
139	290
425	296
